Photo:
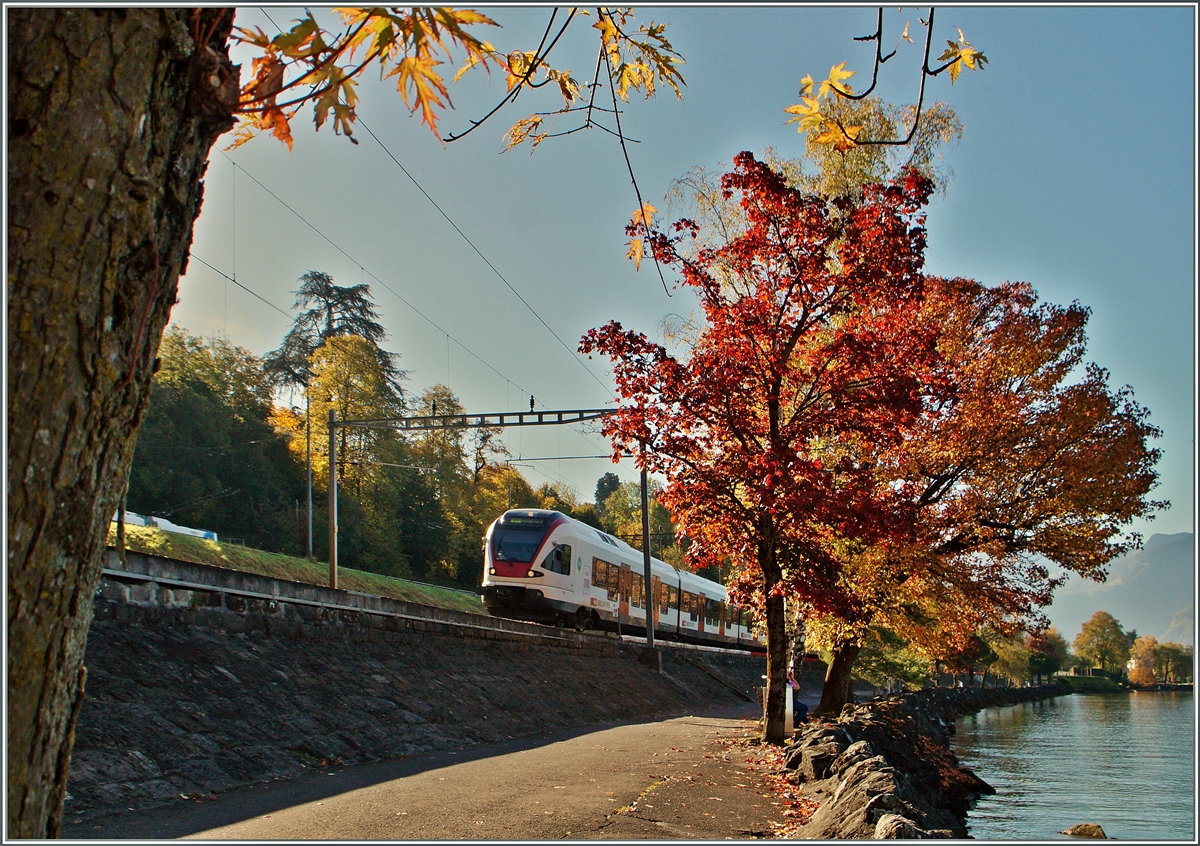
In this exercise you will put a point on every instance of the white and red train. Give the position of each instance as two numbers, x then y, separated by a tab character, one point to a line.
546	567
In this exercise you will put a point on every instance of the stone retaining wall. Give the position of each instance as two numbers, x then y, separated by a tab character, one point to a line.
193	690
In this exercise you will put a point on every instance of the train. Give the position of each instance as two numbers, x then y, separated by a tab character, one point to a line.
545	567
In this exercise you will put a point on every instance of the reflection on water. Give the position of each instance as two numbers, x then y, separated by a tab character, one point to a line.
1125	761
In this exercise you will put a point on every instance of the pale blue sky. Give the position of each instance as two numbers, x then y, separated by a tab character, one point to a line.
1075	174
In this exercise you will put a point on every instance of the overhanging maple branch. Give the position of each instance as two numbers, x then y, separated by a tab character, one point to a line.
625	151
925	72
539	58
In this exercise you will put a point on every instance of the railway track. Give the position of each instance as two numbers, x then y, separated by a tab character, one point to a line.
173	583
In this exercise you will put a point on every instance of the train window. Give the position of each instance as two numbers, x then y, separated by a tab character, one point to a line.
673	598
662	600
639	592
689	604
515	540
607	576
558	560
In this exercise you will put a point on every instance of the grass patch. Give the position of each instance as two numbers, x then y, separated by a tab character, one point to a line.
1092	684
245	559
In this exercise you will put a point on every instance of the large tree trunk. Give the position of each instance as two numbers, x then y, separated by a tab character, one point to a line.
111	114
776	671
777	652
836	692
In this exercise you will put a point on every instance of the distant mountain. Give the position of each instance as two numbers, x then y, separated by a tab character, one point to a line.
1151	590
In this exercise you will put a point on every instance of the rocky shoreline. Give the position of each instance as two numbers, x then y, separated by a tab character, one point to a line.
884	769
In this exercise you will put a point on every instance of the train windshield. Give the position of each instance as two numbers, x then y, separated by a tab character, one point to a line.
517	538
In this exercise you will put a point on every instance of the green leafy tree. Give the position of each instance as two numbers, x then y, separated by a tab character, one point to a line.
501	487
1014	661
1102	643
587	513
347	377
605	485
886	659
463	517
623	518
558	496
208	455
1176	662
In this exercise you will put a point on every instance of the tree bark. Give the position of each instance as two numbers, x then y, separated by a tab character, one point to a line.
777	657
776	671
835	694
111	114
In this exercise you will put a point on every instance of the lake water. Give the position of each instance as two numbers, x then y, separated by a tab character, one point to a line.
1125	761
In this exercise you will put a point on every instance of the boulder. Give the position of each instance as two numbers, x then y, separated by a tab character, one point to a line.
1086	830
896	827
892	774
858	751
813	762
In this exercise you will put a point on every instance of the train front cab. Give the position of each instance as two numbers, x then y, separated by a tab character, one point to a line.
531	571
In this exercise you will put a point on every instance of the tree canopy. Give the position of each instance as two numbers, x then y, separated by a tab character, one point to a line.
795	356
208	455
1010	464
1103	643
329	311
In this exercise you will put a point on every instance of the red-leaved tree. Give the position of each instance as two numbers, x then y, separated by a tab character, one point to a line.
811	340
1022	458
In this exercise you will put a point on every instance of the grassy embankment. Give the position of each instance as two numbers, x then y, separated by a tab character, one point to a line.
1092	684
247	560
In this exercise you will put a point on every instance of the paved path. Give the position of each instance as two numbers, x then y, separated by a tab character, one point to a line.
661	780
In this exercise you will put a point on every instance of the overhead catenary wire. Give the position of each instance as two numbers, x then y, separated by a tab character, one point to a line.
559	478
383	284
240	285
558	457
512	94
289	317
573	353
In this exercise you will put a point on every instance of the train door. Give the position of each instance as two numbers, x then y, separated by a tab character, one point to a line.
625	587
652	602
